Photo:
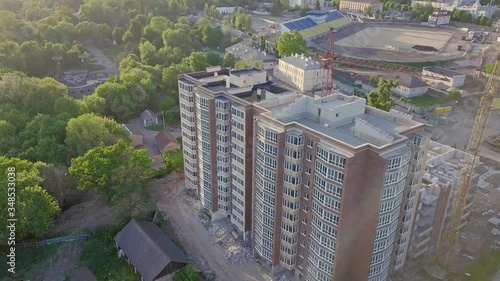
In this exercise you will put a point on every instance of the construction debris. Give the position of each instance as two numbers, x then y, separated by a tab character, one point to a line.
435	272
495	232
237	252
494	221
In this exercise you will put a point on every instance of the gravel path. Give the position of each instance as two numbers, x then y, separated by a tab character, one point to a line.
199	245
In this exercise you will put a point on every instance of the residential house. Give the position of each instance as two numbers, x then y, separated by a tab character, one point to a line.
410	86
148	118
147	248
436	74
166	142
244	52
226	10
137	140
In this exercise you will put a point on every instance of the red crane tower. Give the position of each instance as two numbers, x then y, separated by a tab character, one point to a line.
326	64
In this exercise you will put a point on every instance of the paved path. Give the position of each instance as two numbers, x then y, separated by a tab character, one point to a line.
199	245
496	277
103	60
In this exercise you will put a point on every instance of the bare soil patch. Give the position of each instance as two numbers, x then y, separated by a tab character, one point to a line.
90	215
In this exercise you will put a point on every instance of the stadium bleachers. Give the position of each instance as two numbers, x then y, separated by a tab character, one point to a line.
310	29
300	24
333	15
325	27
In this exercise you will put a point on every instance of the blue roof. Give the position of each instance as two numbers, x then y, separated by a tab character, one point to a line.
334	15
316	13
300	24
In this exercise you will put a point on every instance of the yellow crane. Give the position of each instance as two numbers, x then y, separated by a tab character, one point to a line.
450	237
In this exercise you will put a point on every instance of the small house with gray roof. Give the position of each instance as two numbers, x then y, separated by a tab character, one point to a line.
243	52
410	87
300	71
147	248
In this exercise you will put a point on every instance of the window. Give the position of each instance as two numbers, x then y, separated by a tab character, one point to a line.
271	149
411	194
295	140
328	187
238	113
418	141
394	163
331	174
294	154
309	157
271	136
310	143
331	158
293	167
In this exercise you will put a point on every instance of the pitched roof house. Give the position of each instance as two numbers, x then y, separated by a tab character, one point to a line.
149	251
166	142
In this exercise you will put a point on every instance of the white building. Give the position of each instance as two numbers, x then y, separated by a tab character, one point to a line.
309	3
302	72
226	10
243	52
410	86
475	8
439	18
436	74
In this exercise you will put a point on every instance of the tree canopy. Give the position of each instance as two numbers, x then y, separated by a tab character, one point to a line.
89	130
381	97
291	43
118	172
34	208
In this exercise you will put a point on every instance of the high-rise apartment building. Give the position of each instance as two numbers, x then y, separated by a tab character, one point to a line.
439	187
325	187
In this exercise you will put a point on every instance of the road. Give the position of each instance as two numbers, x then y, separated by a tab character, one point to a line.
103	60
496	277
199	245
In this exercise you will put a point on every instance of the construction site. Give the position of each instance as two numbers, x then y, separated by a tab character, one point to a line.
398	42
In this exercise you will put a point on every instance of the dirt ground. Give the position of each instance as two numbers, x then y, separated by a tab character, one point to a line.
63	262
394	42
89	215
200	246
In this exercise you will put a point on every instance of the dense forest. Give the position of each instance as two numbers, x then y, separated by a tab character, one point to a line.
58	143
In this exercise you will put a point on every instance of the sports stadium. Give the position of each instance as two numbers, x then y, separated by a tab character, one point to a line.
316	24
396	42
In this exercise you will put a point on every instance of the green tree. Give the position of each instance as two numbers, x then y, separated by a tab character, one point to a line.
8	137
187	273
317	6
466	17
117	34
335	3
118	172
89	130
67	105
291	43
489	68
229	60
196	61
35	209
213	59
381	97
60	184
368	11
148	53
169	76
93	104
247	63
454	95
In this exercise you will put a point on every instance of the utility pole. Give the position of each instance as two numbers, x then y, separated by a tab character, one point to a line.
163	116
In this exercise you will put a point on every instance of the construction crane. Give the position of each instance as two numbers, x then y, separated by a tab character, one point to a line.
450	238
326	64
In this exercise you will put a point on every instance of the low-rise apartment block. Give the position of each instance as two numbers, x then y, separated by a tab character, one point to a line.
302	72
439	187
325	188
360	6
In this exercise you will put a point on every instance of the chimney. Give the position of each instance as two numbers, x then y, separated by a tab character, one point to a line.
228	82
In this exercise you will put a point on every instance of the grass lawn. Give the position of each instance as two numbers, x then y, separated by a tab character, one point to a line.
27	259
112	52
425	100
99	255
155	127
484	269
95	67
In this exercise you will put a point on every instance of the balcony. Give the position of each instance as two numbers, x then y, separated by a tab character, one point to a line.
421	242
